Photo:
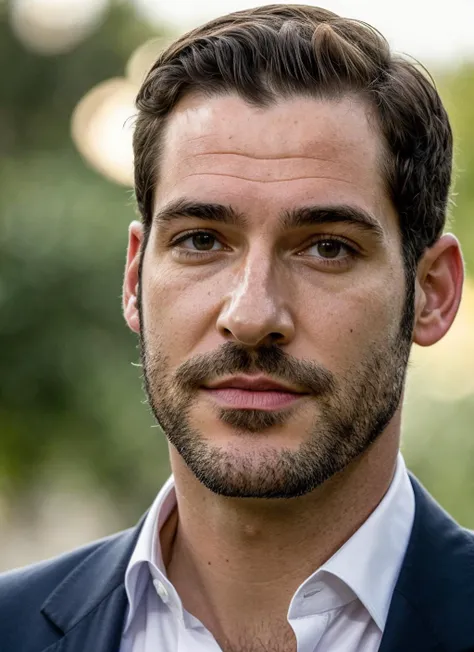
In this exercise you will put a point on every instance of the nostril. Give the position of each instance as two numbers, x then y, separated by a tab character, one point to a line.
276	337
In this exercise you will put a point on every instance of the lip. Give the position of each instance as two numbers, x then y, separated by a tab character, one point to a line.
253	393
254	384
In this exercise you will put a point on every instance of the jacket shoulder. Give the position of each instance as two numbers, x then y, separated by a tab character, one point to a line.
436	580
23	592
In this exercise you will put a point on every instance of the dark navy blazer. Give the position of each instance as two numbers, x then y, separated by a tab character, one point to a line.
77	602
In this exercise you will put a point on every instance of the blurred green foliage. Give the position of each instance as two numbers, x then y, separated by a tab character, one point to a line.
68	390
457	90
67	387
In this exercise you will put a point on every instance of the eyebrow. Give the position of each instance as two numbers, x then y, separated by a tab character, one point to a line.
312	215
202	211
290	219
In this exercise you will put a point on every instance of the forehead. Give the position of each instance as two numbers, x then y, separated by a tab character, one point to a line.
297	150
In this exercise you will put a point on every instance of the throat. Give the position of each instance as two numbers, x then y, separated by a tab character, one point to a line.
268	637
242	614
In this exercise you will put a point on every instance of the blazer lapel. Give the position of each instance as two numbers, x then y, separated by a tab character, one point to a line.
406	631
88	607
100	630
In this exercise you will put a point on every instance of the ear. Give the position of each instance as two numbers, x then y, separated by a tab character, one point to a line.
131	280
440	279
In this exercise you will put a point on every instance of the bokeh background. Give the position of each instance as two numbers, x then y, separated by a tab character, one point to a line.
80	456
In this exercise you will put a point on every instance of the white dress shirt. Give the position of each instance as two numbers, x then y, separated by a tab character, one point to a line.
341	607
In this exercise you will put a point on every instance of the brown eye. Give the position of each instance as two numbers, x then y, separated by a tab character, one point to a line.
199	242
329	248
203	241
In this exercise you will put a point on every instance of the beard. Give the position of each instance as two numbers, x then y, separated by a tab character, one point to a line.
352	412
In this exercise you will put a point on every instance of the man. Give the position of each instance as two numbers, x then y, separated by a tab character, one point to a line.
292	177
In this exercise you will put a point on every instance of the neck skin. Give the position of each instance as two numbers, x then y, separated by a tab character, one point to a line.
239	561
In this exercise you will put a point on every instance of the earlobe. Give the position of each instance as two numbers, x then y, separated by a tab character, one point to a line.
131	314
440	281
131	278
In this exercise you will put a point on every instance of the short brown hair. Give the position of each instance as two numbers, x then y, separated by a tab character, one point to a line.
280	51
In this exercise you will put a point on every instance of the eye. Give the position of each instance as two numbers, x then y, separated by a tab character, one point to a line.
330	249
199	241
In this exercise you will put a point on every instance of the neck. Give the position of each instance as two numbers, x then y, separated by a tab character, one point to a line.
248	556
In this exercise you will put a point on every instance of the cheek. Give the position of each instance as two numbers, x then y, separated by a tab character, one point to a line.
343	328
177	312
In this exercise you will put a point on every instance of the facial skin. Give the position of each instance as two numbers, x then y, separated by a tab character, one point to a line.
311	299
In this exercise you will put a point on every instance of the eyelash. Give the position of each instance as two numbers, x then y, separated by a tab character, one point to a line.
186	253
352	252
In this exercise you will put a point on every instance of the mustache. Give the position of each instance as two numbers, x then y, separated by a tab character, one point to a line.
231	359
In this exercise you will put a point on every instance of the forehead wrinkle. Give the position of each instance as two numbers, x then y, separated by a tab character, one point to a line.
234	176
292	157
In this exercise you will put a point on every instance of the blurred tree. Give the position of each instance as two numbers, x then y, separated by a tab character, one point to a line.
67	387
457	89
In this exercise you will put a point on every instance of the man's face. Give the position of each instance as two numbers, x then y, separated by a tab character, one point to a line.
275	257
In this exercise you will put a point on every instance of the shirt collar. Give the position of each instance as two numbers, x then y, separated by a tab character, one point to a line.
366	566
369	562
147	555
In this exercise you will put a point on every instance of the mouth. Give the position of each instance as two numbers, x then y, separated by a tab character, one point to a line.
253	393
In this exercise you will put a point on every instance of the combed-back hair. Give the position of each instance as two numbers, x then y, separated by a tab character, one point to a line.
276	52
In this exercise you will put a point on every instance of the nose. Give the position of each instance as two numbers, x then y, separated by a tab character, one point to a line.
255	311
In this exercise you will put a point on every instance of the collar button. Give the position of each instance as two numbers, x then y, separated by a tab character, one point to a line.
161	590
317	588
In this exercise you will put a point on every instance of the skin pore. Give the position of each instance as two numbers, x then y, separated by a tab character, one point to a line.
239	277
